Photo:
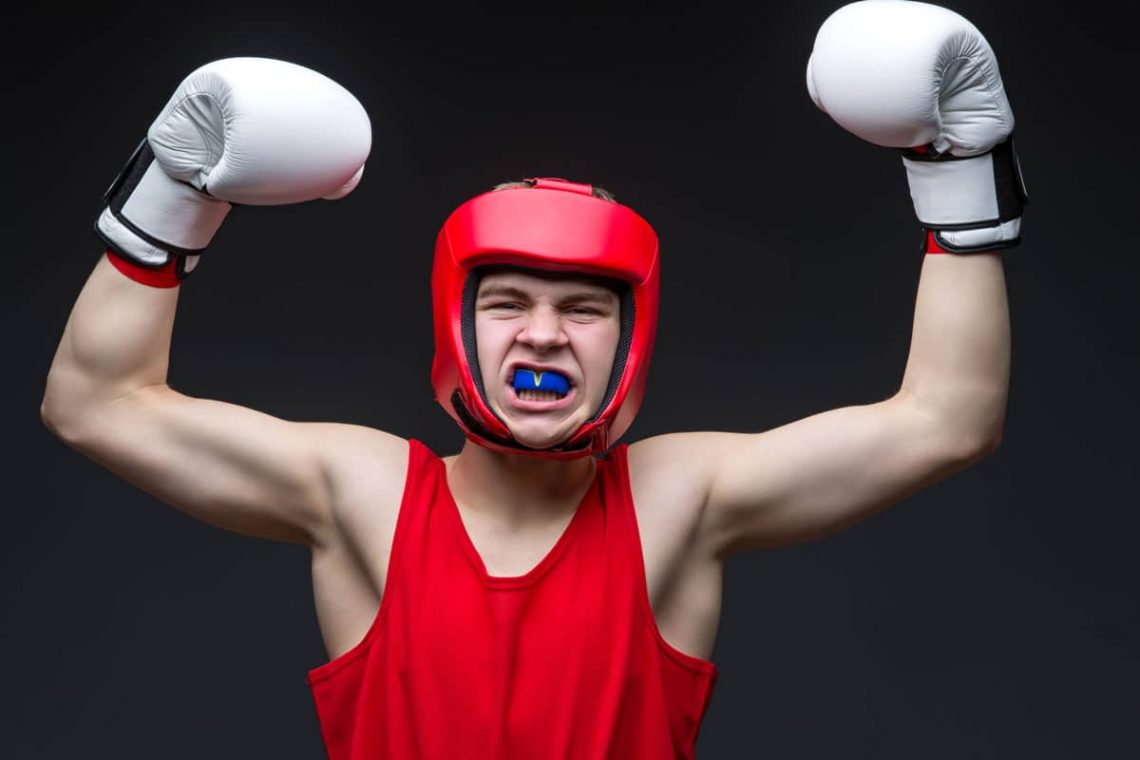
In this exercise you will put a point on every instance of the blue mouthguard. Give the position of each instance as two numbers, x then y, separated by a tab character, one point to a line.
540	381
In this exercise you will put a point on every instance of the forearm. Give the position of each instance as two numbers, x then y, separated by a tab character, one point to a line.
959	360
117	339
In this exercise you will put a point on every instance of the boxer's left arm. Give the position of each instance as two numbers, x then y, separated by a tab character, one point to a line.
922	80
815	476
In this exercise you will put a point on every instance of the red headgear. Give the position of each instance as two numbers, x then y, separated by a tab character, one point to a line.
551	225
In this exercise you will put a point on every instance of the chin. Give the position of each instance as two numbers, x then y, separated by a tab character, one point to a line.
537	435
539	441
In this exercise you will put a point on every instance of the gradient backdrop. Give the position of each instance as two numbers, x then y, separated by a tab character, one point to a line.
993	615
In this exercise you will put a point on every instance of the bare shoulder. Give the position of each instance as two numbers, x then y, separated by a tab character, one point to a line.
365	469
681	464
670	477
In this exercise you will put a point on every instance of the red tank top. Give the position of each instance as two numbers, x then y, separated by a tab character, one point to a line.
563	662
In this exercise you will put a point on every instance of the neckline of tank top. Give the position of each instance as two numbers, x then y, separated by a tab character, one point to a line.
544	565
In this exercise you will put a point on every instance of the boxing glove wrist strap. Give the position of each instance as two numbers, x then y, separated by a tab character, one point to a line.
971	203
156	222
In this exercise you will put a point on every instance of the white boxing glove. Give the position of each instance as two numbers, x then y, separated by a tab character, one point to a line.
237	131
922	79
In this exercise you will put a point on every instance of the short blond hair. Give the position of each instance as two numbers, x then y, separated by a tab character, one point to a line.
597	192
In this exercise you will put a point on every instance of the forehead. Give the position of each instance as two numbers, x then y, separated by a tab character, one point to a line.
535	281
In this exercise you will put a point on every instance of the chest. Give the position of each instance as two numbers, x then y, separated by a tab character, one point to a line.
683	584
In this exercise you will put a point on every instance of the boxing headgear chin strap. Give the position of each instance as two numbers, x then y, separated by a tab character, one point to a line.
552	225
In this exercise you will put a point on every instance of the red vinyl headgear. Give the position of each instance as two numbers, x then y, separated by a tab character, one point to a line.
552	225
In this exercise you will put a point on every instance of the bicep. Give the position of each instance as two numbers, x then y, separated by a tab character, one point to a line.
815	476
227	465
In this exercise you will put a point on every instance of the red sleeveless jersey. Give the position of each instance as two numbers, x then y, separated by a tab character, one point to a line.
563	662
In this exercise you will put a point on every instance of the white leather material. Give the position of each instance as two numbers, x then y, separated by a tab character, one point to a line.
260	131
921	78
127	242
347	188
134	247
953	192
902	74
173	211
251	131
982	238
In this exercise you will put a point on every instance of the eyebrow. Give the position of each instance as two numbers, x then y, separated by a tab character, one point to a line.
580	296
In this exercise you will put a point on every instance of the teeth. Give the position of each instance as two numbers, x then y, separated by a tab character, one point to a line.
529	395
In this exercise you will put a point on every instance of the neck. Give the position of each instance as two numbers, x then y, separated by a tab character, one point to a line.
516	488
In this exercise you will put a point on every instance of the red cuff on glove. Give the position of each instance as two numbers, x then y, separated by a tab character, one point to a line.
165	276
932	244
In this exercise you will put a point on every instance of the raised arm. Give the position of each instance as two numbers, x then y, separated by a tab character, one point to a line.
236	131
922	80
813	477
106	396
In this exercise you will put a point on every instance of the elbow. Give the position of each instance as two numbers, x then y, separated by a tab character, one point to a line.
53	421
990	440
966	445
973	435
45	416
61	418
977	448
966	436
992	444
48	413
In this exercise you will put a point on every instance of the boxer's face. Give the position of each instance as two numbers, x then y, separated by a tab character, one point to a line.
568	326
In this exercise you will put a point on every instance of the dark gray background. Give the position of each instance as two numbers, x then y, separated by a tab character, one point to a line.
992	615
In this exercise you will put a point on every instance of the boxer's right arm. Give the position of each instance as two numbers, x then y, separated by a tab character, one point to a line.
246	131
107	397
